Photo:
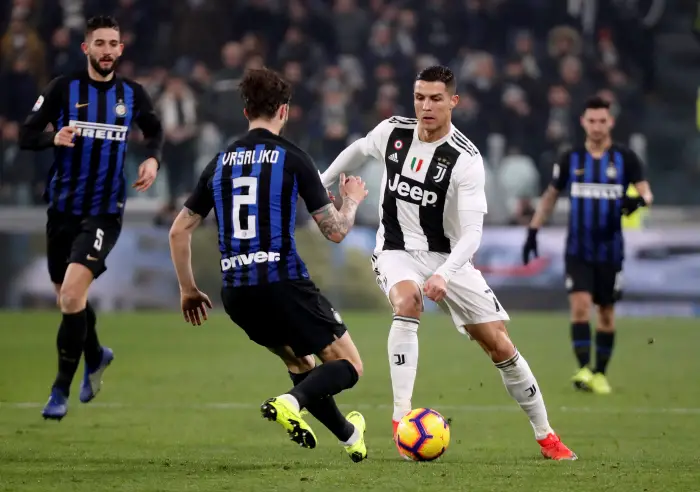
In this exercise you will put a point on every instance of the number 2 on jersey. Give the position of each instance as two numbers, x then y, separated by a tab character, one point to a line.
249	198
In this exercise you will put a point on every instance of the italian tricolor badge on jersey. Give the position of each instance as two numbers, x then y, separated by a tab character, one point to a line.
415	167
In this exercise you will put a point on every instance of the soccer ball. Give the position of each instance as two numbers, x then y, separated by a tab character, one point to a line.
423	435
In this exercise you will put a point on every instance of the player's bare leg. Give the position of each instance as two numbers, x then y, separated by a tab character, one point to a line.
407	302
604	342
580	304
57	289
520	384
313	390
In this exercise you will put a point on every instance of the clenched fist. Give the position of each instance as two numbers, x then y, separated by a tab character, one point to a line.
352	187
64	137
435	288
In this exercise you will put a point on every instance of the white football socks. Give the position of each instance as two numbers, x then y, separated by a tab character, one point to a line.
403	362
522	386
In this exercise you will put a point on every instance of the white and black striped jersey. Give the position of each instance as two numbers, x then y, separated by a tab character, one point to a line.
424	185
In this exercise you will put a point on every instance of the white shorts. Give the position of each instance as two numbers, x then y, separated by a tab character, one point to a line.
469	299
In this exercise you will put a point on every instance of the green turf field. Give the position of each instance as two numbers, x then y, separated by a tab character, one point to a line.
179	412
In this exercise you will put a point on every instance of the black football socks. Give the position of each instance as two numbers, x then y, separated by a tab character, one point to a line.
91	348
604	342
326	411
581	341
70	341
328	379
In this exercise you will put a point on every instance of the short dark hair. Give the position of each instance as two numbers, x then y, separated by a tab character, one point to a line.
263	92
596	102
100	22
439	73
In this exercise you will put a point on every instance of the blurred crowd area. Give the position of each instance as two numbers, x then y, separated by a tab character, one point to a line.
524	67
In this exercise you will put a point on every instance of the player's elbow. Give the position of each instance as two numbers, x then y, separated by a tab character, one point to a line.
25	140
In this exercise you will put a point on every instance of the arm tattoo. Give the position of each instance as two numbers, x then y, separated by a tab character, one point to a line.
335	224
192	219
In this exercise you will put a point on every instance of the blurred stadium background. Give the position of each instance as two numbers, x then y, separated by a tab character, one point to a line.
524	68
178	411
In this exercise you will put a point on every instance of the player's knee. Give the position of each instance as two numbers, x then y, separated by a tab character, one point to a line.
300	365
502	350
579	315
493	338
72	299
306	363
408	304
606	319
502	347
580	308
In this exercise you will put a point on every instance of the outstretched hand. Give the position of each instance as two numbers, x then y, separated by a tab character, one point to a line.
193	304
148	170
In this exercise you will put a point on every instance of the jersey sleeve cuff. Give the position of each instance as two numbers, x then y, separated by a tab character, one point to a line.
199	209
156	157
444	273
45	140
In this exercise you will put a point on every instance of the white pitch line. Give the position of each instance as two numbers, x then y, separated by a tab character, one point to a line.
367	406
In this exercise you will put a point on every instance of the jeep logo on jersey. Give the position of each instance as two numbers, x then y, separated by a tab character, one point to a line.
100	131
247	259
597	191
414	193
250	157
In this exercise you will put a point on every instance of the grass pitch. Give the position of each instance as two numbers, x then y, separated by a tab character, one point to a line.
179	412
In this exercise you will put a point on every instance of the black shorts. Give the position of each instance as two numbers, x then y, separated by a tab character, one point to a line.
290	313
601	280
83	240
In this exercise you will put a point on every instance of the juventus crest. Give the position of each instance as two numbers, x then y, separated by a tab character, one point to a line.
441	171
442	164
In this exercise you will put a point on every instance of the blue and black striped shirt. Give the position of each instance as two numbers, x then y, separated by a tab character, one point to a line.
88	179
253	188
596	186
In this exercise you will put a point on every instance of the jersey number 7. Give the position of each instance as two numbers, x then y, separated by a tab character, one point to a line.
249	198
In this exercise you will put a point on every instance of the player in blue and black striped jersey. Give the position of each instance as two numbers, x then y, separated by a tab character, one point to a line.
596	177
91	112
253	188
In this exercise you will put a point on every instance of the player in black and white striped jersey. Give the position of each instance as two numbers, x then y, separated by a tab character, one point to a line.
431	216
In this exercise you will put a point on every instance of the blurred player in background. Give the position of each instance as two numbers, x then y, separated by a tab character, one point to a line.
596	176
253	188
431	216
91	113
